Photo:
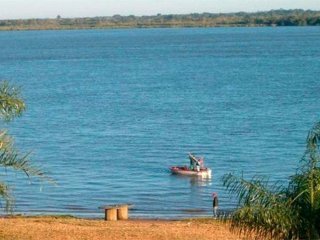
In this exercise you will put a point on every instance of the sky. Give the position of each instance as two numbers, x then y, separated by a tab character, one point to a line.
21	9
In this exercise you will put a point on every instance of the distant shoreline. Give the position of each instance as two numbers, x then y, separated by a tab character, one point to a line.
127	28
273	18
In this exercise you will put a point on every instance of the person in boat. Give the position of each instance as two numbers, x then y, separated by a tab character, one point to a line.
191	164
198	166
201	162
195	163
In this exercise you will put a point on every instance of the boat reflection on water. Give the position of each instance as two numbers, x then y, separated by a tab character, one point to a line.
200	182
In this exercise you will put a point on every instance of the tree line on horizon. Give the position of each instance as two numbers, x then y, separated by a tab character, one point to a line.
280	17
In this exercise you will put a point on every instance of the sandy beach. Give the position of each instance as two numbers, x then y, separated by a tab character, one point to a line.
54	228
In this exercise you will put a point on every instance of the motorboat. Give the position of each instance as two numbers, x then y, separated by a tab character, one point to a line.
204	172
196	168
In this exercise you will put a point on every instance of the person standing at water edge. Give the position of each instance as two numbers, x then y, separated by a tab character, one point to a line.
215	203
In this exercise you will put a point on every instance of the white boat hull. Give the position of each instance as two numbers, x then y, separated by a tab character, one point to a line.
206	172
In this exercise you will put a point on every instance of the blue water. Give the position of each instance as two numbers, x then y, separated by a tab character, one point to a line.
110	110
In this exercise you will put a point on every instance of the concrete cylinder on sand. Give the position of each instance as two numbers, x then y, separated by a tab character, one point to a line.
122	212
111	214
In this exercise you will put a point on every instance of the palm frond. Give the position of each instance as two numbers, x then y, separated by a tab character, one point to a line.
305	185
254	191
311	157
273	222
6	141
6	195
11	104
10	158
314	137
263	208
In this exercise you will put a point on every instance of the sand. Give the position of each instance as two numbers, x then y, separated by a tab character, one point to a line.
53	228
